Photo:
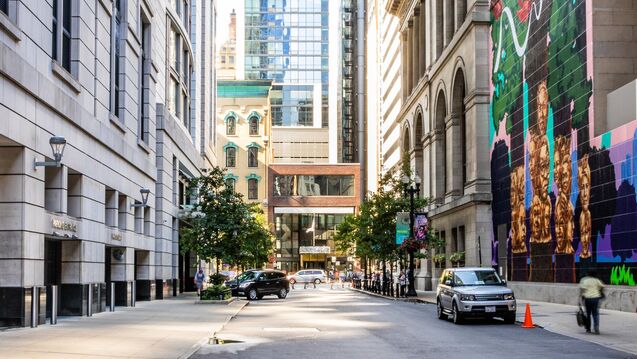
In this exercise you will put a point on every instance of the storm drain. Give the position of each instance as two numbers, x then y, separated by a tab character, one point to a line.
292	330
219	341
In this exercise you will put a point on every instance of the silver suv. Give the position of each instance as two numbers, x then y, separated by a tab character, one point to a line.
315	276
477	292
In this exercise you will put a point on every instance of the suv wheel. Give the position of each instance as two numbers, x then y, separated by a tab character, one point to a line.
252	294
317	281
441	313
282	293
509	318
457	317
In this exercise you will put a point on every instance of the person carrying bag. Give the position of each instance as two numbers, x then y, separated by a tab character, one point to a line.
592	292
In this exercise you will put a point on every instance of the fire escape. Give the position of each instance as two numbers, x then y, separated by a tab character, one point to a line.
348	127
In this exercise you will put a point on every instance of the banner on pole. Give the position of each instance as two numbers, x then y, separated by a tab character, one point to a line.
402	227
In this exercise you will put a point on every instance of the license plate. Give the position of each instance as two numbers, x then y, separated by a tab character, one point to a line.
489	309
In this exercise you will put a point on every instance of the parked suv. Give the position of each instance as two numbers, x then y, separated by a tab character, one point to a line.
307	276
477	292
254	284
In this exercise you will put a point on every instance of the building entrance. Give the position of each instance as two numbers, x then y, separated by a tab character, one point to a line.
52	271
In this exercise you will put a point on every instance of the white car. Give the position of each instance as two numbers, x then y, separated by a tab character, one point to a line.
316	276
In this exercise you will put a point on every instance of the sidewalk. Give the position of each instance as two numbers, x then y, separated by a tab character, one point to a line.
618	328
173	328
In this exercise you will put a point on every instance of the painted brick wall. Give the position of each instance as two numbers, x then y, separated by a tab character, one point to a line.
564	194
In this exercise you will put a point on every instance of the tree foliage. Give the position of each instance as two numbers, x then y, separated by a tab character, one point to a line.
371	232
221	225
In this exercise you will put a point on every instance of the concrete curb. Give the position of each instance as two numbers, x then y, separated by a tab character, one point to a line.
205	339
216	301
409	300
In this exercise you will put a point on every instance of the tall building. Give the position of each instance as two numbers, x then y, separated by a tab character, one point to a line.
438	126
306	49
227	54
106	112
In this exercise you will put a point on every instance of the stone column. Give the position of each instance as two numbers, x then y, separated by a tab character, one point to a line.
423	39
449	20
461	12
478	164
123	274
438	165
410	58
415	70
453	157
55	188
21	238
145	273
111	208
404	56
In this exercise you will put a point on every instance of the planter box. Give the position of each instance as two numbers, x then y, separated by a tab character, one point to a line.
216	301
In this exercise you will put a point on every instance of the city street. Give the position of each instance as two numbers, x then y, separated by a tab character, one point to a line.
339	323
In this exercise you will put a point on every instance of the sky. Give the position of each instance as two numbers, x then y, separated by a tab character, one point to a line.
224	8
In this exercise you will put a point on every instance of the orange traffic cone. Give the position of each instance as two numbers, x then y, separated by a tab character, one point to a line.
528	321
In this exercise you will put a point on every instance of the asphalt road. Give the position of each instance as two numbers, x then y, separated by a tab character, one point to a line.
338	323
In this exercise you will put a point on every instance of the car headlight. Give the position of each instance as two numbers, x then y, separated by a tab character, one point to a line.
244	284
509	296
464	297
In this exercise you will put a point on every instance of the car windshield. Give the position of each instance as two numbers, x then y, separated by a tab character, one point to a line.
479	277
246	276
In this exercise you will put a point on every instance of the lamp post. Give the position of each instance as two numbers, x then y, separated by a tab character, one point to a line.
411	191
58	143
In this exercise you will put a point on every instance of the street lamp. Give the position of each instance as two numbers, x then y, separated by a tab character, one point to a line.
145	192
411	191
58	143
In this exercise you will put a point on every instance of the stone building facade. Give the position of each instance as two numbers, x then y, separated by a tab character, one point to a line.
444	105
127	83
243	124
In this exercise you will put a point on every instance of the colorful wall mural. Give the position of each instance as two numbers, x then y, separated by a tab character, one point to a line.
563	199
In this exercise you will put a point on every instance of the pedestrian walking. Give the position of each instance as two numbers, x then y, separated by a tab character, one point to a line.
592	292
342	279
199	278
402	279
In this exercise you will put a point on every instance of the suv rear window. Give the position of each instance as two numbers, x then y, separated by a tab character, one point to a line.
316	272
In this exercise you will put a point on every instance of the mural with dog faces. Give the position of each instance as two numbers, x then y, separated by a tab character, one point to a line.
563	199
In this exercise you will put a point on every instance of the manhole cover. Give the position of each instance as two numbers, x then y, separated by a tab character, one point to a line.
292	330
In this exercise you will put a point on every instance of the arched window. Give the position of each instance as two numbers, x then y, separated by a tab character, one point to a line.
253	123
253	157
253	188
231	126
231	157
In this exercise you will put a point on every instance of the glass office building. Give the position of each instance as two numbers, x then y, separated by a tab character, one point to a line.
287	41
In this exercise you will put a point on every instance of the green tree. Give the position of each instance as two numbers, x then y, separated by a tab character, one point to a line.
211	224
256	241
371	232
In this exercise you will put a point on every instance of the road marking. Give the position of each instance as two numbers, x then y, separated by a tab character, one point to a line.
292	329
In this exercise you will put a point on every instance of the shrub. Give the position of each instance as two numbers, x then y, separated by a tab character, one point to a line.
217	279
216	292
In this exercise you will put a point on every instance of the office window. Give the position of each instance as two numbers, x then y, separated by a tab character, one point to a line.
180	60
231	157
62	33
253	189
253	156
4	6
254	126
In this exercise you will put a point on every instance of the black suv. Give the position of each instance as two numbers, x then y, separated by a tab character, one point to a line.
254	284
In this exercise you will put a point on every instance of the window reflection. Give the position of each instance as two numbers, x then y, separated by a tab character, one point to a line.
313	185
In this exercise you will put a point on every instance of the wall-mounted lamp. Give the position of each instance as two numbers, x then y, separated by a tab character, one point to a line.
145	192
58	143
